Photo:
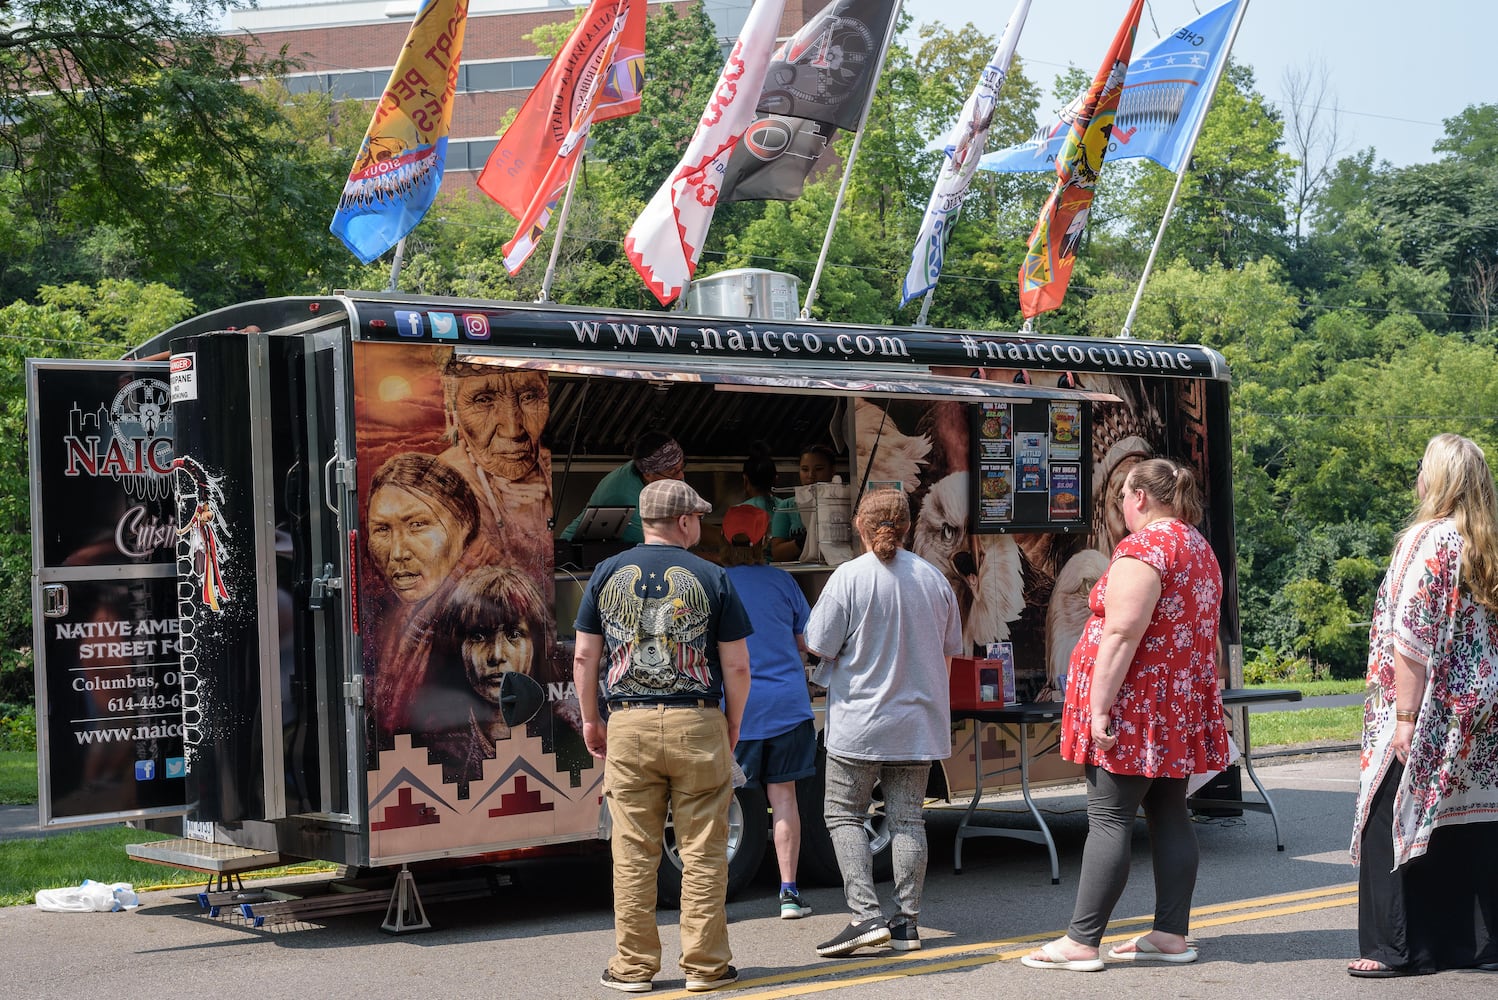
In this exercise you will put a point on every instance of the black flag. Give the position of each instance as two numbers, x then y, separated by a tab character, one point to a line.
818	82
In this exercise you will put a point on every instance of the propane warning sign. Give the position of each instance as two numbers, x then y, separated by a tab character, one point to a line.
184	377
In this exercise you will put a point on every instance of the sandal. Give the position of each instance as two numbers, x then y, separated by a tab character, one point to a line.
1380	971
1054	959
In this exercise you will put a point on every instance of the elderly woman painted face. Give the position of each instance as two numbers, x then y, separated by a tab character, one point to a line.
500	415
421	517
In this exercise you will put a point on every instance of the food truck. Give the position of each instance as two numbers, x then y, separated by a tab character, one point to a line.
265	540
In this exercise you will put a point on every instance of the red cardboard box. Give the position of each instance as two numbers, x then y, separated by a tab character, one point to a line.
977	683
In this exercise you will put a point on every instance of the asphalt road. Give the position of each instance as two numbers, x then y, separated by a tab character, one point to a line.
1268	925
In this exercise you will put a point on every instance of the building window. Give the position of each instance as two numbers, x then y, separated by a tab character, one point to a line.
368	85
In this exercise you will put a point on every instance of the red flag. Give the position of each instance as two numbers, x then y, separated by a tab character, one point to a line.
595	76
1046	271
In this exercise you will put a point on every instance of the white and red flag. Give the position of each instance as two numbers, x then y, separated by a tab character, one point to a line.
666	240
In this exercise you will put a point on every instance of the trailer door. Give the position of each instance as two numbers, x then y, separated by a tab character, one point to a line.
104	592
260	503
319	730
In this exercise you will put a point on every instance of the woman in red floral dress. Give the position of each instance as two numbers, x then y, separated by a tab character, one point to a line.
1143	714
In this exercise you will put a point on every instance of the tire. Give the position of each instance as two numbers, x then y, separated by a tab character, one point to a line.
818	864
748	834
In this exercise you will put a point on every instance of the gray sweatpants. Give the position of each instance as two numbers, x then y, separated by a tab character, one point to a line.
850	790
1113	800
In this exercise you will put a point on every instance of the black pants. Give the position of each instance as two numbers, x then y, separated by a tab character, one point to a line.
1113	801
1438	911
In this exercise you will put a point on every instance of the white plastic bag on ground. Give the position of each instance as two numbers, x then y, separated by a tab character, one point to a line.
88	897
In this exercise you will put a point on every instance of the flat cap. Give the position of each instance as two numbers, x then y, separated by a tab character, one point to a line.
668	498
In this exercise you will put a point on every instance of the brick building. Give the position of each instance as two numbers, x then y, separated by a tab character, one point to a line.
348	48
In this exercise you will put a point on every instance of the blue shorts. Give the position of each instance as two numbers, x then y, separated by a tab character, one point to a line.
790	756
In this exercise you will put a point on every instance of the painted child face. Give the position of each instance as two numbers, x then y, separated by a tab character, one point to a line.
491	651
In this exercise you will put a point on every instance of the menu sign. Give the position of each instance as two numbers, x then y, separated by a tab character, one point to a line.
1029	470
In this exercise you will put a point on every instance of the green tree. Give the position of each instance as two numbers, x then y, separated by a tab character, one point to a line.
133	113
682	68
1472	136
1231	209
73	321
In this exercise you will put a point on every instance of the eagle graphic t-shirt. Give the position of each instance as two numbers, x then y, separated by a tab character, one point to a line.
662	612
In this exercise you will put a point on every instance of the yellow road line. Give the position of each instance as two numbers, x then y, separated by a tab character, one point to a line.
887	968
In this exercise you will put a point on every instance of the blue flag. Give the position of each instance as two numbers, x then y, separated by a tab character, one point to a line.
398	168
1164	97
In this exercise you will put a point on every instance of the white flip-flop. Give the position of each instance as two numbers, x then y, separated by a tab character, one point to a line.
1144	951
1055	960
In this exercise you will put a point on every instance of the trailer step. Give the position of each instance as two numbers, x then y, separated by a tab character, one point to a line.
200	856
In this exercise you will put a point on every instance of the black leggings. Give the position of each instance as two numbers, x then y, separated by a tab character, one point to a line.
1113	800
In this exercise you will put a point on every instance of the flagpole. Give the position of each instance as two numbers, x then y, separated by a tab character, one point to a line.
842	190
395	265
556	236
1196	131
925	307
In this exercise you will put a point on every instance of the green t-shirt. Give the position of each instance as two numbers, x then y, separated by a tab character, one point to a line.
620	488
785	519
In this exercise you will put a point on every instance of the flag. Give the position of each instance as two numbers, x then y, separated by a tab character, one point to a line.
1165	96
1046	270
596	75
398	168
817	83
666	240
961	160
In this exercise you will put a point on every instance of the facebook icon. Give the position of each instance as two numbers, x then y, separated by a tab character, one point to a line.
145	770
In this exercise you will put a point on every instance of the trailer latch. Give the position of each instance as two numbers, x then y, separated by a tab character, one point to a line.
321	585
54	600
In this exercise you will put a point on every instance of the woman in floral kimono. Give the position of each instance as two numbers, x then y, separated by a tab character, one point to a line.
1428	879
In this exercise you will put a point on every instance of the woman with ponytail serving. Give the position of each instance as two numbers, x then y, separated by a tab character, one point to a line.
1143	714
886	625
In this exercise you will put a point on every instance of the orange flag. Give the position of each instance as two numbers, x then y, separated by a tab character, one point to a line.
1046	271
595	76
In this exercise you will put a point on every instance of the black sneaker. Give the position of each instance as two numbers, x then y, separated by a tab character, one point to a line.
791	906
864	934
903	936
613	982
727	977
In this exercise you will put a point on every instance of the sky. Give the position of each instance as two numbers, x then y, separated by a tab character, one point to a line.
1396	69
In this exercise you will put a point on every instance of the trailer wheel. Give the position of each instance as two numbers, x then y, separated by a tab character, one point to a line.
818	864
748	833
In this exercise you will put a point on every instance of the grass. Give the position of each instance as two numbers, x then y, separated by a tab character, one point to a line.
1314	689
66	859
1308	725
17	777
